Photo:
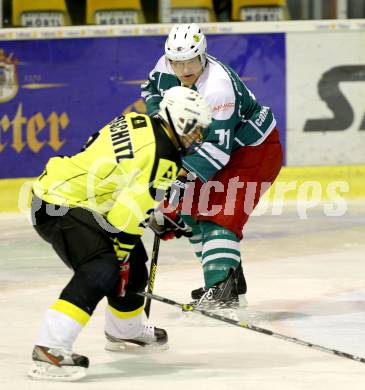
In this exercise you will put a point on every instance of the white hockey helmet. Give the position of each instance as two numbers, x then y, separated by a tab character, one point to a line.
186	109
186	41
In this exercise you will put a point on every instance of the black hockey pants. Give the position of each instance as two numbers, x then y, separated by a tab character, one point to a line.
85	247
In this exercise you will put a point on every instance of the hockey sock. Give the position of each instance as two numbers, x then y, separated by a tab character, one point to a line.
62	324
196	239
123	325
220	252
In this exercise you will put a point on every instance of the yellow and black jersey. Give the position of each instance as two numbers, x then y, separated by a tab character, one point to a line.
117	174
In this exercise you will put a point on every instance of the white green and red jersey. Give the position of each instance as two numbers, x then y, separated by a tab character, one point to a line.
238	119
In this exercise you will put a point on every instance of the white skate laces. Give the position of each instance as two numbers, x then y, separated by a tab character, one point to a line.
148	332
206	297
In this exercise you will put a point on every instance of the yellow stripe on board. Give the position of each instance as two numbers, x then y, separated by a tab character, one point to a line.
293	183
10	192
126	314
326	182
71	310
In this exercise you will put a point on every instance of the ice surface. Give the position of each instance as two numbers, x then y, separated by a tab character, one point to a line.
306	279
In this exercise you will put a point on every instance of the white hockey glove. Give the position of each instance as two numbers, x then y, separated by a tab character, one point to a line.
177	190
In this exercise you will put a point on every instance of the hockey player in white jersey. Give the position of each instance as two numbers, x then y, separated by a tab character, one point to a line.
242	144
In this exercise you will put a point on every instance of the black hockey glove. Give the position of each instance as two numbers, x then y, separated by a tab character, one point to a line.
168	225
177	190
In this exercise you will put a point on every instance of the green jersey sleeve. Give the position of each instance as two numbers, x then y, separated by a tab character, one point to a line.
160	79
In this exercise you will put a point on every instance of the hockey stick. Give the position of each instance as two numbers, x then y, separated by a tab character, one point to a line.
188	307
151	278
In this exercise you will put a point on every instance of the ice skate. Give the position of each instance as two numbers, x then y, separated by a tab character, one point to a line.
230	293
56	364
151	337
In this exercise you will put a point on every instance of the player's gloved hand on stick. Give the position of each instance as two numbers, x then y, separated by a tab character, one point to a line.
168	224
176	191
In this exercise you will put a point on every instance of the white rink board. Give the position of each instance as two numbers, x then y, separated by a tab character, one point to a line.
309	56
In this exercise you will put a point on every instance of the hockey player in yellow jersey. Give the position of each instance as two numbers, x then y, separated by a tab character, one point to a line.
92	208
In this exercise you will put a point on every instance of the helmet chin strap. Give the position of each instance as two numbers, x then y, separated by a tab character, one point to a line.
203	60
172	127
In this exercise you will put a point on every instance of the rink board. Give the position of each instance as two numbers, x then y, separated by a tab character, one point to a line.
64	90
308	184
66	83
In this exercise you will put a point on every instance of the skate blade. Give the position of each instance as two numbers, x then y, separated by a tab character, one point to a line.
217	306
127	347
242	301
235	310
43	371
192	318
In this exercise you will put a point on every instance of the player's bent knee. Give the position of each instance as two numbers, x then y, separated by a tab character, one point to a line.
100	275
104	272
92	281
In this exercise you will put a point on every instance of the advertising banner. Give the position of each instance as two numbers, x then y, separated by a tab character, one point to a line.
326	98
55	93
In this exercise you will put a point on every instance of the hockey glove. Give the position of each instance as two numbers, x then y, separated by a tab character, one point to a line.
168	225
123	259
123	277
177	190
